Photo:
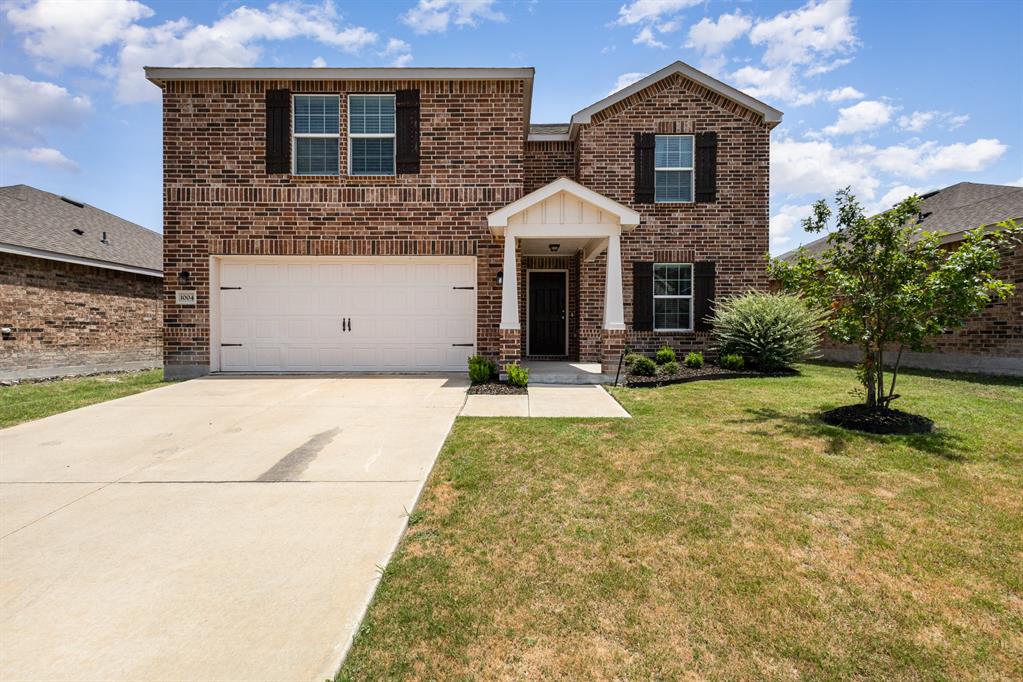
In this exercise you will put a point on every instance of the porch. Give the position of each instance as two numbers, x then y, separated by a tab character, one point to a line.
562	254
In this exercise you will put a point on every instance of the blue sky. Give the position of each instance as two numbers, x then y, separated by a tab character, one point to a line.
888	97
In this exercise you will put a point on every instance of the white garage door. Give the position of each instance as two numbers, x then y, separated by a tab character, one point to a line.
356	314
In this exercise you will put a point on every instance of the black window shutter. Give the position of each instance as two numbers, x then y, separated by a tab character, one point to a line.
644	174
642	296
703	294
706	167
407	130
278	131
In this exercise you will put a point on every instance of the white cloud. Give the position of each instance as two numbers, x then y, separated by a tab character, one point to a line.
646	37
773	84
625	80
916	121
641	11
827	67
953	121
842	94
786	226
866	115
399	51
434	16
929	158
58	32
711	37
319	62
234	40
27	109
801	36
46	156
897	194
818	168
1016	183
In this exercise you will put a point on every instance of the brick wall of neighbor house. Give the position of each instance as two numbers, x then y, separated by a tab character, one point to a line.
72	319
218	198
991	342
732	232
547	161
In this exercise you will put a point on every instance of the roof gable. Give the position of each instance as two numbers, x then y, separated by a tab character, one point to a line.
772	116
564	202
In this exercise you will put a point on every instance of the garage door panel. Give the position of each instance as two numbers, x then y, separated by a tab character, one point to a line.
405	315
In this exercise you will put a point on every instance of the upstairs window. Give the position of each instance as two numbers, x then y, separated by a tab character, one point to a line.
371	135
316	132
673	297
673	168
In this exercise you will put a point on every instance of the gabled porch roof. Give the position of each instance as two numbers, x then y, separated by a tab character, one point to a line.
566	204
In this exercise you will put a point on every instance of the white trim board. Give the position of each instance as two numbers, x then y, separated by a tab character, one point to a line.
77	260
162	74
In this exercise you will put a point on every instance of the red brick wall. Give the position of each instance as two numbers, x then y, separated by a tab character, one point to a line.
732	232
218	198
68	318
545	162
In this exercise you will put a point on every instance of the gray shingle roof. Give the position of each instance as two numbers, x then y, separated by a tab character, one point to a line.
952	211
548	128
34	219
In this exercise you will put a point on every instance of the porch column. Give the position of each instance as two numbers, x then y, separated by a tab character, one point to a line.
510	288
614	306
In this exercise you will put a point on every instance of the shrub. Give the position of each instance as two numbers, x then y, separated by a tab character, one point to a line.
517	376
481	369
732	361
694	360
670	367
630	359
665	354
643	366
770	331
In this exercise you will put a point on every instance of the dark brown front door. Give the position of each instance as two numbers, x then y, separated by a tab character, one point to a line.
546	313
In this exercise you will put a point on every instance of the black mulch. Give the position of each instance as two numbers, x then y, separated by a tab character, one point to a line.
687	374
496	388
877	420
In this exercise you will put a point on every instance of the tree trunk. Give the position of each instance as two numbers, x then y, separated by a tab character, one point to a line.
895	375
879	386
869	375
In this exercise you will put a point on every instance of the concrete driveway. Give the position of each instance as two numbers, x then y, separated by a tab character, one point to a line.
220	529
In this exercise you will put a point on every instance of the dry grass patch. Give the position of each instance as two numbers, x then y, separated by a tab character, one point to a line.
722	533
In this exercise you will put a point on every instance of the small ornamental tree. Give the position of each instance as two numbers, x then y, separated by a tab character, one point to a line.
889	286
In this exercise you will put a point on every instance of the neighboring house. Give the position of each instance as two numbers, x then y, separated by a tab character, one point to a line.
80	289
401	219
992	341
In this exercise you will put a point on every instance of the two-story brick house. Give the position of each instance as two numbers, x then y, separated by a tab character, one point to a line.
401	219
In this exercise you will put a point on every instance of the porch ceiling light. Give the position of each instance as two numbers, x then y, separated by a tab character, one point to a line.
554	247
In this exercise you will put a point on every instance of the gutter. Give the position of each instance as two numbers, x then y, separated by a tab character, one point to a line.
77	260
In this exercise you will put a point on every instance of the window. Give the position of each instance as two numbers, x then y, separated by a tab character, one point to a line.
673	297
673	168
317	118
371	135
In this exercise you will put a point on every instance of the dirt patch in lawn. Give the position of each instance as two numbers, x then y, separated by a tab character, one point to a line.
880	420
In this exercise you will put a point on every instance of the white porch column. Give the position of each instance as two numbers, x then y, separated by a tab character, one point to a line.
614	306
510	288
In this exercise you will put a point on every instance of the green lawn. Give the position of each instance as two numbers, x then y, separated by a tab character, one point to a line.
723	533
26	402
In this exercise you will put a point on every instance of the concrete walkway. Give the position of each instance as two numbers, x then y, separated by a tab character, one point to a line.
219	529
546	401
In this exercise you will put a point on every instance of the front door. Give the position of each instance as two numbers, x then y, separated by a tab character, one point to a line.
547	313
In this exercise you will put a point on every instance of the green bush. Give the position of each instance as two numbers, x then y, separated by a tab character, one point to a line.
665	354
643	366
732	361
517	376
694	360
770	331
481	369
670	367
630	360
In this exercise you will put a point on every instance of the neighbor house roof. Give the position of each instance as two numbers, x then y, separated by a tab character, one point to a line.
951	212
548	131
44	225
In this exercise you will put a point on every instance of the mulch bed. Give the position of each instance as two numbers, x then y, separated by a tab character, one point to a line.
881	420
496	388
705	373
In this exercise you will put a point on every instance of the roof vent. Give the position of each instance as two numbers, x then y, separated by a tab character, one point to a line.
79	204
79	231
103	240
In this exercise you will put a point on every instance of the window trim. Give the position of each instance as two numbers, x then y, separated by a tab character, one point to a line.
656	296
691	169
373	136
321	136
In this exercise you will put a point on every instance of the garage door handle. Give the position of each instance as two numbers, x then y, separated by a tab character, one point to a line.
344	324
349	324
465	345
230	344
